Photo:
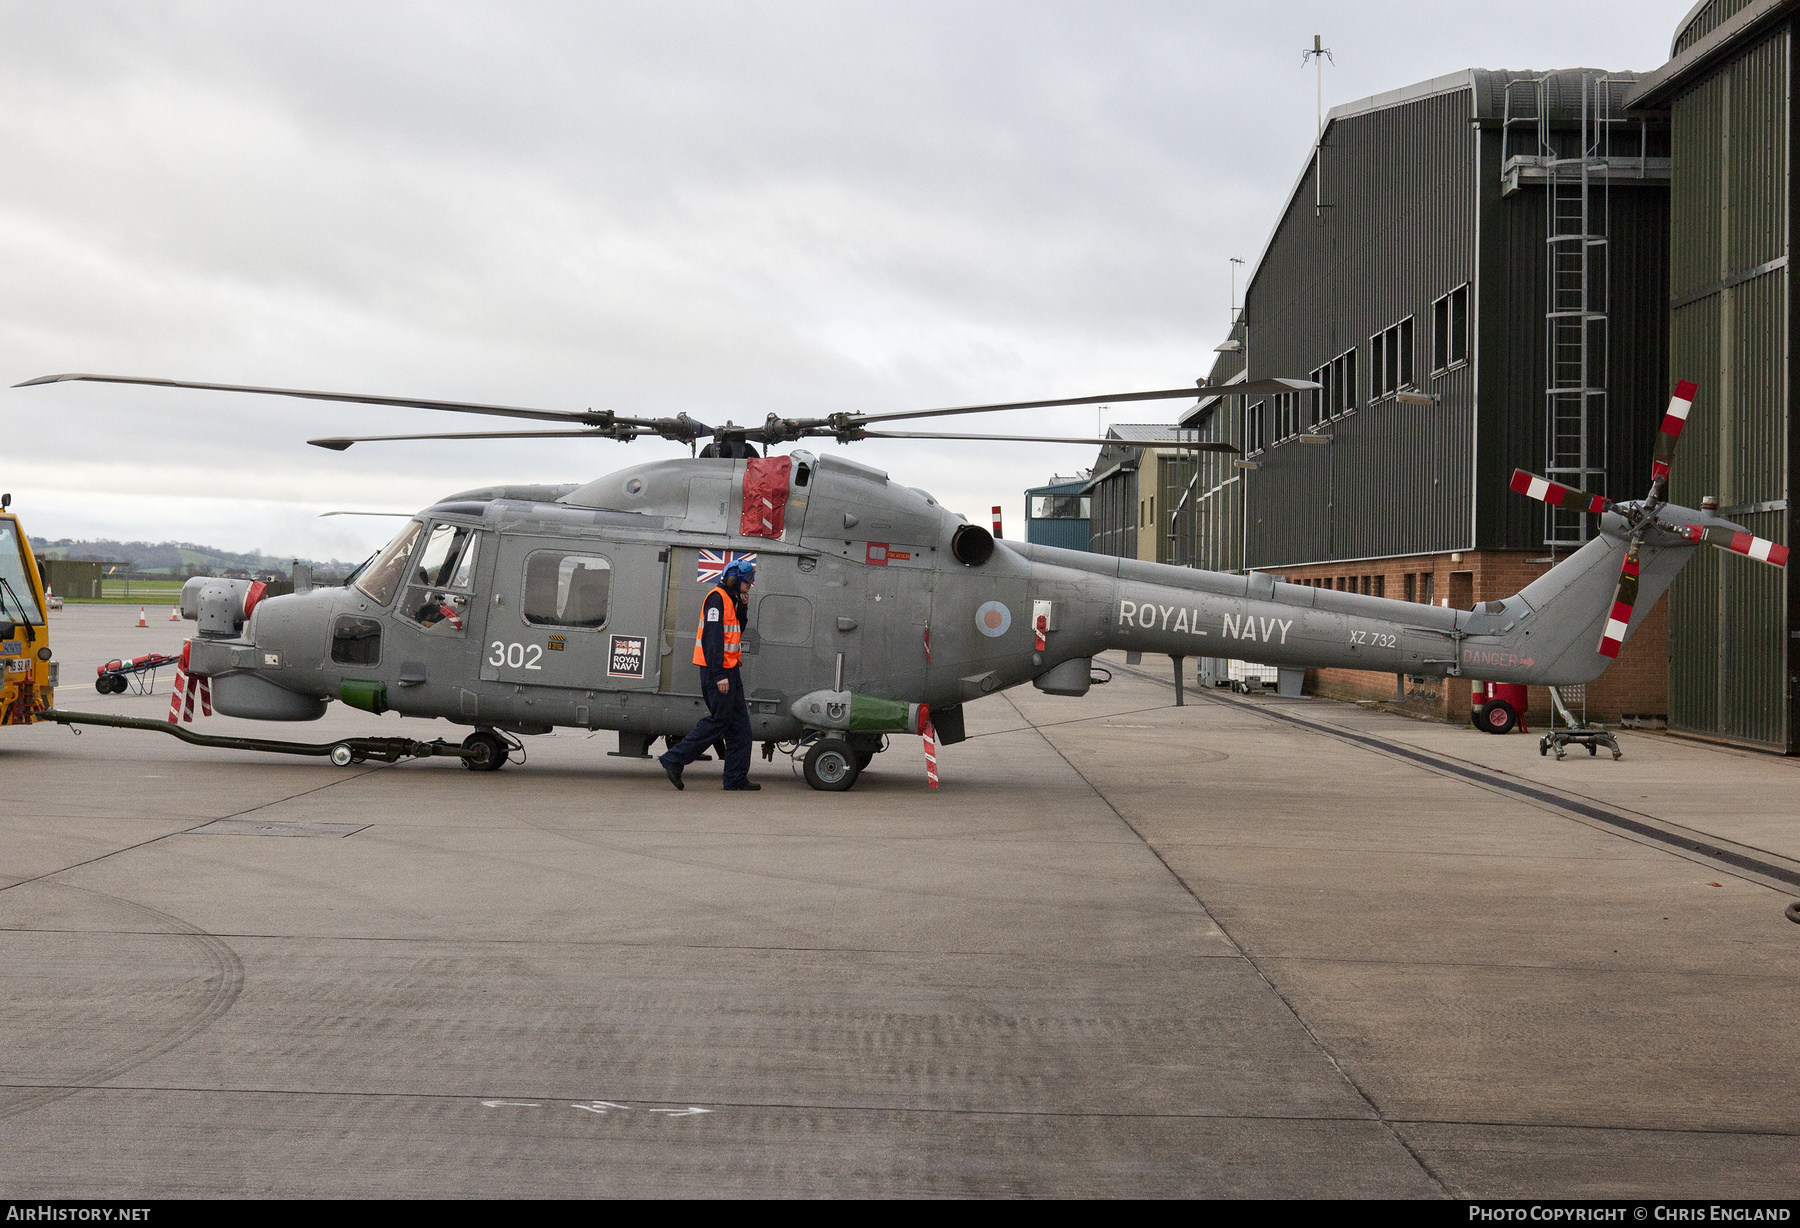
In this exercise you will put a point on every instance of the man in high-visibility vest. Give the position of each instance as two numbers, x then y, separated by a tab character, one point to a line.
718	647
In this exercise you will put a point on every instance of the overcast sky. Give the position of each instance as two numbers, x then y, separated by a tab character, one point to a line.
728	209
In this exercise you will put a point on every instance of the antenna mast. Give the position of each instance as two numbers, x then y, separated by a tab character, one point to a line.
1318	55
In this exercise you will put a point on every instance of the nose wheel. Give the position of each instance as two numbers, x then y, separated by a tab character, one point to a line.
489	751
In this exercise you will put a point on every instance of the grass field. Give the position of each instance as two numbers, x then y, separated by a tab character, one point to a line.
140	592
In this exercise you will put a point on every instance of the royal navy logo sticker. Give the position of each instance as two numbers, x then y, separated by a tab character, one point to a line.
625	659
992	619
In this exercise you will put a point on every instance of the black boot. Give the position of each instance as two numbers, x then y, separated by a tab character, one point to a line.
673	771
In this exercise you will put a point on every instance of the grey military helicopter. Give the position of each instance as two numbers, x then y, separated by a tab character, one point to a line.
519	609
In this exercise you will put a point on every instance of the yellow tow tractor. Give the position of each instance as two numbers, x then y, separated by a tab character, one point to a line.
30	677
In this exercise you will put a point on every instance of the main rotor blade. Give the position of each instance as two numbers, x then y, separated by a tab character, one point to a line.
1618	621
340	443
1669	434
354	398
1253	388
1738	542
1556	494
1190	444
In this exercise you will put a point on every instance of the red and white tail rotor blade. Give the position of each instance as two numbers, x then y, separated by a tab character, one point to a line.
1556	494
1674	418
1618	618
1748	544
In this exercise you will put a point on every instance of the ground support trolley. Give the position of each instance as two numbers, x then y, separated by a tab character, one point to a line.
1575	732
140	672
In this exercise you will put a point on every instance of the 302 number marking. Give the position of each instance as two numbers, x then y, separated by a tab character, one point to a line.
516	656
1374	639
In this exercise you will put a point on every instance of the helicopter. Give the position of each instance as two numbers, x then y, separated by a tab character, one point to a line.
517	609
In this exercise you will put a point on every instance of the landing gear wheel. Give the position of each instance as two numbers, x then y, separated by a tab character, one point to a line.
342	755
490	751
832	765
1543	747
1592	750
1497	716
864	758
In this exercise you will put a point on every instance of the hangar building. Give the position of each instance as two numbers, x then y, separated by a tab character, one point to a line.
1475	268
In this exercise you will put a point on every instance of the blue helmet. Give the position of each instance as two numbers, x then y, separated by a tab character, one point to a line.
740	571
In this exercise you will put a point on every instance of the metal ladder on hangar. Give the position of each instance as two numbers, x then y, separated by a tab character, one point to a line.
1575	169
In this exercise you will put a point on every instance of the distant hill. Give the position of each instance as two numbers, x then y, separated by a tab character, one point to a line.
178	558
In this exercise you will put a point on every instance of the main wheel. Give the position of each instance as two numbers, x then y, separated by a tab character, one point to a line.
832	765
490	751
1497	716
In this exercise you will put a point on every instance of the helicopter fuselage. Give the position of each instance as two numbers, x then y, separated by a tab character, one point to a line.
527	608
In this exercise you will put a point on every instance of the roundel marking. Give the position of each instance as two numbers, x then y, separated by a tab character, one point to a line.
992	619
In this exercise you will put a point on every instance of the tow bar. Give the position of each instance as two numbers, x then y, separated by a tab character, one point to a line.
342	752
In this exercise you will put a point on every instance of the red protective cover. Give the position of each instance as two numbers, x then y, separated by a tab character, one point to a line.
765	496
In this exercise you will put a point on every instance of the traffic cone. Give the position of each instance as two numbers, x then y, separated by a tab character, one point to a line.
174	613
142	621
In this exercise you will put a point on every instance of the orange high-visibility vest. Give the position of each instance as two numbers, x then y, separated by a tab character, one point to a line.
734	633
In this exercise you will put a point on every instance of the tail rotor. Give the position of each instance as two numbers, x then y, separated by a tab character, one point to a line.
1641	517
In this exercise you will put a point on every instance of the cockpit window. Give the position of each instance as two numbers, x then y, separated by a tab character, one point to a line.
18	600
383	576
438	597
443	553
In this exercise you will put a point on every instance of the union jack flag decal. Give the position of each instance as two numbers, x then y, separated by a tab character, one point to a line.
714	562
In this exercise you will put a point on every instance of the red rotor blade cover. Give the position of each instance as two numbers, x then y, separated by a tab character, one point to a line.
1748	544
1556	494
1674	418
1618	619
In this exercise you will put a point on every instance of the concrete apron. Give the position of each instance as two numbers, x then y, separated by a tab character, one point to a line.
1126	949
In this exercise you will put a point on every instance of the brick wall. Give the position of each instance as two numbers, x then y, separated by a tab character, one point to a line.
1635	684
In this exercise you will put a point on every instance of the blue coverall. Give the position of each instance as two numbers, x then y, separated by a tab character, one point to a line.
727	714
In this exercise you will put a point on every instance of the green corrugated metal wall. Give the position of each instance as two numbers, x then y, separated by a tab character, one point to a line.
1730	201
